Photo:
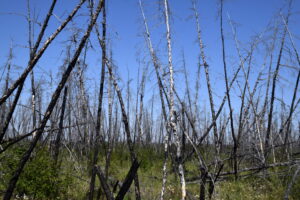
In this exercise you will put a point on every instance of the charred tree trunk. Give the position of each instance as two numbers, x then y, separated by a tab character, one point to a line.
55	96
100	100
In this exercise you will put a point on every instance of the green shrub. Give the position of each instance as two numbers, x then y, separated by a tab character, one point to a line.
39	179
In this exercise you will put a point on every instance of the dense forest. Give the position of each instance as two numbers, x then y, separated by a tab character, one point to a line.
227	127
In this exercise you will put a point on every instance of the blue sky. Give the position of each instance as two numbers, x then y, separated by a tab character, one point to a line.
125	31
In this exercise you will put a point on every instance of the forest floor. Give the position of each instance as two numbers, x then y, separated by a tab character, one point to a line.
41	181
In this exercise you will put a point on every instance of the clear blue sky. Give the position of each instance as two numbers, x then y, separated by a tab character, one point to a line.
125	31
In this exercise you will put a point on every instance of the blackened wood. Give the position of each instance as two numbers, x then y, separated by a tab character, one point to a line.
13	181
128	180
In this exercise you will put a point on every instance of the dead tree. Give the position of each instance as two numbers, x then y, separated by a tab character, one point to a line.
100	100
292	107
3	107
208	84
172	114
60	127
30	40
126	126
276	72
111	132
235	142
155	62
38	53
35	55
141	94
55	96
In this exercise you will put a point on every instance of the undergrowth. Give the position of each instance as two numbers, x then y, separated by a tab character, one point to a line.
41	180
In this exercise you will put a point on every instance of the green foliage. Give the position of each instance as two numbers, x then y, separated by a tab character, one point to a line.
295	193
151	160
39	179
255	188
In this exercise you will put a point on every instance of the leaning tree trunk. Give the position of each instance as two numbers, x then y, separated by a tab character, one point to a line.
55	96
100	100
